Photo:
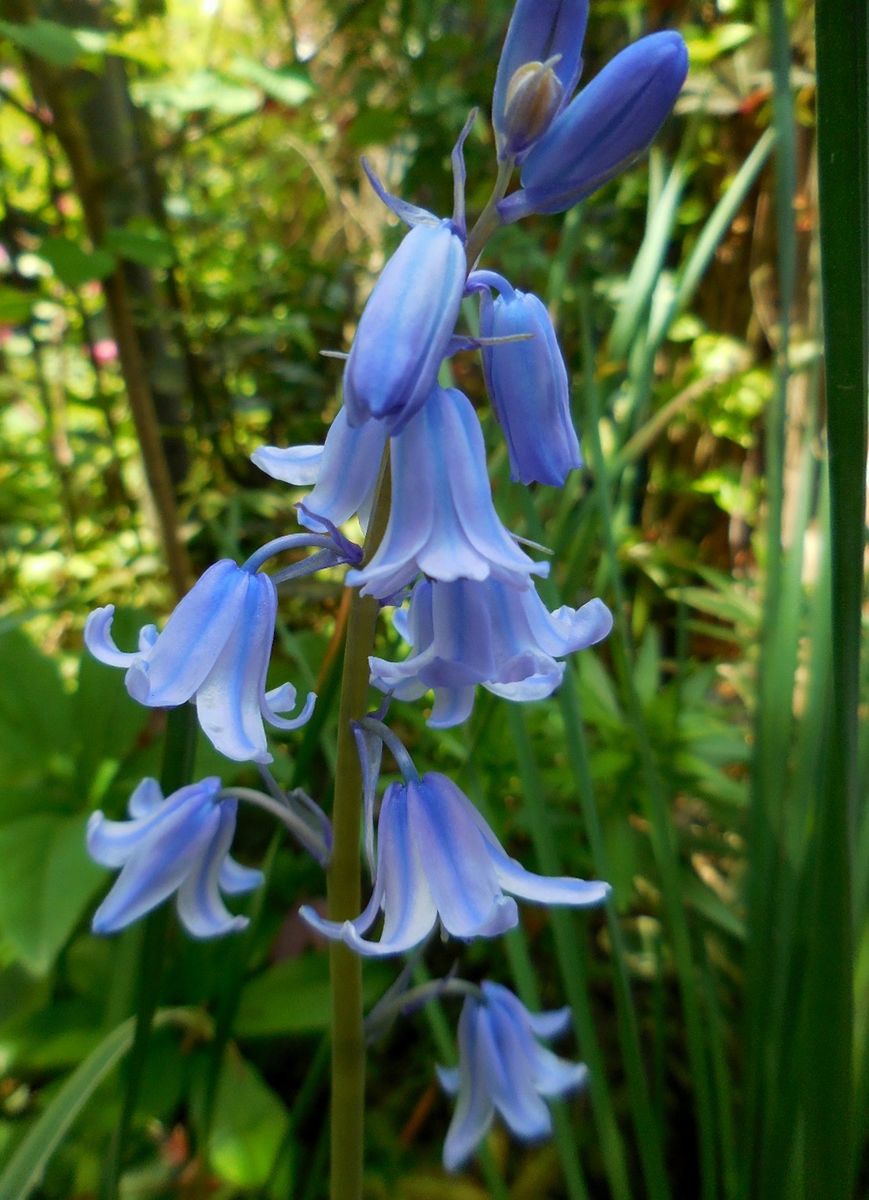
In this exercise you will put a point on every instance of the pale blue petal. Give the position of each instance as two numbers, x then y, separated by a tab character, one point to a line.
283	699
448	1077
98	639
111	843
454	426
237	879
297	465
534	686
410	517
554	1076
200	907
193	639
550	1024
567	629
543	889
452	706
474	1112
229	701
348	471
146	799
510	1084
455	857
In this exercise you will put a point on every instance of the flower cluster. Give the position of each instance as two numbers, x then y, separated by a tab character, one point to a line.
460	582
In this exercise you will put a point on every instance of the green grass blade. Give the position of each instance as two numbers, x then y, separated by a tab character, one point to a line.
25	1169
841	37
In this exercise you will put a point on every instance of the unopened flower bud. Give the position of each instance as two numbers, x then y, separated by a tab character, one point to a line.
533	99
545	37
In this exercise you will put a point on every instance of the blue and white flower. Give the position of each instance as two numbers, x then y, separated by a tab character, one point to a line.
442	521
179	845
610	123
214	650
437	859
527	381
503	1068
466	633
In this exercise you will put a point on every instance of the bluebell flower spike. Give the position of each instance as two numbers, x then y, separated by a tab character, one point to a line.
438	860
178	845
215	650
463	634
527	382
442	520
540	31
609	124
503	1068
344	471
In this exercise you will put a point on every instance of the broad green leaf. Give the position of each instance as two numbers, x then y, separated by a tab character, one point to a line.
46	881
248	1126
146	245
55	43
35	711
72	264
289	85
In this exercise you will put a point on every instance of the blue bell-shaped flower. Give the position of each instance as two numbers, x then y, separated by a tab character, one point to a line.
214	650
181	845
442	521
504	638
502	1067
527	382
437	859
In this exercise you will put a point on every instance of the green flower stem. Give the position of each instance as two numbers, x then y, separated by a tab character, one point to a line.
488	220
344	885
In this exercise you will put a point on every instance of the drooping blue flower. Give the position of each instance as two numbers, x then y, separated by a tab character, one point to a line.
530	88
609	124
344	471
464	633
215	649
407	325
504	1068
527	381
438	859
181	845
442	520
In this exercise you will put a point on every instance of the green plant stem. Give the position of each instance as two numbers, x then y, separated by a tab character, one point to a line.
344	887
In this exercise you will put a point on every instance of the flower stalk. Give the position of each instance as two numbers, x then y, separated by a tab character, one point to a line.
344	883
